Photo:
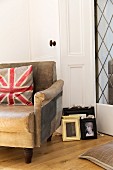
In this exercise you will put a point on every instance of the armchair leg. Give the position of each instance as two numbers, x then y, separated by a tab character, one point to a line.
28	153
49	139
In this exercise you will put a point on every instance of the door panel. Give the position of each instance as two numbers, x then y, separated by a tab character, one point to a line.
77	51
78	72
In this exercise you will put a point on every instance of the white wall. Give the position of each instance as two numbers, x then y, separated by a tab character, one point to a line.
44	26
26	27
14	31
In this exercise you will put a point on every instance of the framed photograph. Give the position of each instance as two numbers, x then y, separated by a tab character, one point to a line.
88	128
71	128
83	111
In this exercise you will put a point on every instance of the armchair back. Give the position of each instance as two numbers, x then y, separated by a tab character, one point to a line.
44	73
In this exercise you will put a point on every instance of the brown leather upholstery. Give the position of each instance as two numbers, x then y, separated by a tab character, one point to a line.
30	126
16	119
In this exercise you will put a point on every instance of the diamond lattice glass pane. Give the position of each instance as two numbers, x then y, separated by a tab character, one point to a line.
106	94
103	79
100	92
107	11
111	24
99	67
102	27
109	38
104	38
102	99
99	12
101	4
111	52
99	40
106	63
102	53
111	1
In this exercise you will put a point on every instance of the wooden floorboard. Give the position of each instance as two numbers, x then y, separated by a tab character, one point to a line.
54	155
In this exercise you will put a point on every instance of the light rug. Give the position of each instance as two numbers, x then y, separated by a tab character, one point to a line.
101	155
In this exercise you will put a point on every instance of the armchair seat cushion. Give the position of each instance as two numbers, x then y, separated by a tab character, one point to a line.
16	119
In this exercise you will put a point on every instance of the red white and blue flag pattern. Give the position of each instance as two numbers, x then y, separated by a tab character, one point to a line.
16	85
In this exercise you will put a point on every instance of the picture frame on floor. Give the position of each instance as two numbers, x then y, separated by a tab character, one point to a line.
71	128
88	128
79	110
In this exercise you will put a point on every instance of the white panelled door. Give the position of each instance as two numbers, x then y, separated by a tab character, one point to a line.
77	51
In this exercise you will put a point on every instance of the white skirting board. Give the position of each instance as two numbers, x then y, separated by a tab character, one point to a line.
104	117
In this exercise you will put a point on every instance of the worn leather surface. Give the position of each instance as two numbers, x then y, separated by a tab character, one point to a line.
20	139
52	91
27	126
16	118
48	111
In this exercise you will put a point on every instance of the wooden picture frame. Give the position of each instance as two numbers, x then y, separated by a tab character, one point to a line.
88	128
71	128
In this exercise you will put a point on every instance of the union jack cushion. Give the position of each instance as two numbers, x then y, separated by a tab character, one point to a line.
16	85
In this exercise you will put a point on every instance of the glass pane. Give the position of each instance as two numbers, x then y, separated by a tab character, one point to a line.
104	50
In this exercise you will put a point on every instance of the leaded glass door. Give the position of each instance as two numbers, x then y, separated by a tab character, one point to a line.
104	64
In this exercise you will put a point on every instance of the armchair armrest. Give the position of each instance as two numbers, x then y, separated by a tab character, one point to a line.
45	104
51	92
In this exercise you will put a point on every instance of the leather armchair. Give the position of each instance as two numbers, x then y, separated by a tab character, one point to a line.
30	126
